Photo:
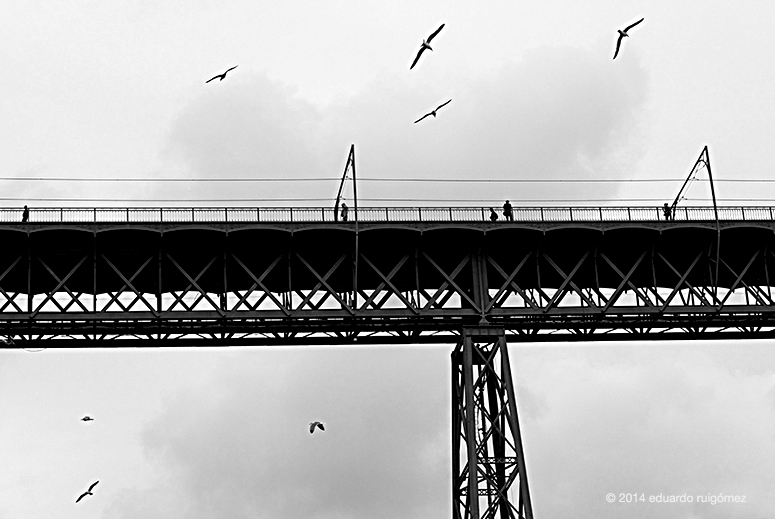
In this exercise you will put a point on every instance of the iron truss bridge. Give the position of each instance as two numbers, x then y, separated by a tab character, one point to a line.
397	275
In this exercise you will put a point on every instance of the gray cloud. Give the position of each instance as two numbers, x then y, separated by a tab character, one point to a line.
648	420
239	445
558	113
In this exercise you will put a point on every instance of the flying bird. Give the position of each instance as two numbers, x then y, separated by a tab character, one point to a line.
426	44
87	418
623	34
221	77
312	426
88	492
433	112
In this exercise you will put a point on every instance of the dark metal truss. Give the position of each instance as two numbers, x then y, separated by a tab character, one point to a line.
489	478
583	285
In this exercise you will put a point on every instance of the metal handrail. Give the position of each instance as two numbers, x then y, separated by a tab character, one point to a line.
52	215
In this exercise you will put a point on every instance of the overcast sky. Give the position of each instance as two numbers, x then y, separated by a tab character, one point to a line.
109	89
117	89
211	433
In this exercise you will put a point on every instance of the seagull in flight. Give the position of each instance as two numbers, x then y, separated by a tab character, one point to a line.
433	112
87	418
426	44
88	492
312	426
221	77
623	34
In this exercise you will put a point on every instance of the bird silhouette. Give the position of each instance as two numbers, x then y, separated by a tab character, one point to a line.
426	44
87	418
88	492
221	77
623	34
312	426
432	112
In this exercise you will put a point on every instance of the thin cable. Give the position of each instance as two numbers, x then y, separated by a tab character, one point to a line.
383	179
330	199
166	179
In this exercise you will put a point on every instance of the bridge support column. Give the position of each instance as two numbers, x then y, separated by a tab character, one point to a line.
488	462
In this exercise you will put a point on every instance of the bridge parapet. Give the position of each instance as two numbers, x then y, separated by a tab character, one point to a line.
52	215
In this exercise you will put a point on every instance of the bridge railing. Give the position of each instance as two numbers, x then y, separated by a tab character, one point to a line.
53	215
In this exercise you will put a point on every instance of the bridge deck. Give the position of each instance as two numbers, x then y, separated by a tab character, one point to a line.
287	278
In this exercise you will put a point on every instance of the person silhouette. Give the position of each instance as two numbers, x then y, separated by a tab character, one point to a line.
507	211
25	215
493	215
345	210
667	211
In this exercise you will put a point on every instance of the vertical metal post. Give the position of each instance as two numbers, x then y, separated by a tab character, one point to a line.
225	289
29	278
715	212
159	292
355	201
470	427
417	274
524	490
479	283
94	291
289	294
456	433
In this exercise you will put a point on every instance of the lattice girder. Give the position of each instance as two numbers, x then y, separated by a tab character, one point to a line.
578	281
488	464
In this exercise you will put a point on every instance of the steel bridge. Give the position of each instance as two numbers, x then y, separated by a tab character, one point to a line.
260	276
398	275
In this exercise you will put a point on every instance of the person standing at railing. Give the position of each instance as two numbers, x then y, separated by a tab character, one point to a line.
345	210
25	215
493	215
667	211
508	214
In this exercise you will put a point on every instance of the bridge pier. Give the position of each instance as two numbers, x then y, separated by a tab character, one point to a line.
488	462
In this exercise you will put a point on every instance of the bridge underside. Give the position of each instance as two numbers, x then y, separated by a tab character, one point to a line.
413	283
